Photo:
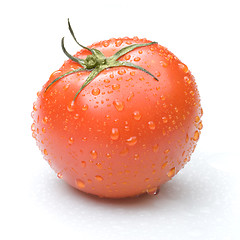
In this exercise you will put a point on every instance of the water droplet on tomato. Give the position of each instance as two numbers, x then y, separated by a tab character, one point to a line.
115	86
153	190
85	107
196	136
200	125
45	120
93	154
131	141
131	95
45	152
167	151
59	175
164	165
99	165
83	164
118	42
155	148
99	178
183	67
66	86
70	107
136	156
76	116
70	141
151	125
33	127
80	183
171	172
187	80
137	59
43	129
163	63
197	119
118	105
106	43
137	115
114	134
164	119
96	91
34	106
122	71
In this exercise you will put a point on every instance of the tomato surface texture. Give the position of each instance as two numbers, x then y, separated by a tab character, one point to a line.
126	132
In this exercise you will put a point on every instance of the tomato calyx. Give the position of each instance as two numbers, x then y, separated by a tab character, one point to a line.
96	62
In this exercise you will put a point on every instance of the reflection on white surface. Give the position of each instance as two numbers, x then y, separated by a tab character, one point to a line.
201	202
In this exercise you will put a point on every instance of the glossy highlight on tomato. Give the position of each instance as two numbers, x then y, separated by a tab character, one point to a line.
126	131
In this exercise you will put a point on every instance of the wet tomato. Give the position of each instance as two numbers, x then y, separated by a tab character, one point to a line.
119	118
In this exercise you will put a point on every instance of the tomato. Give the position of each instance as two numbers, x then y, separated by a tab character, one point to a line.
118	126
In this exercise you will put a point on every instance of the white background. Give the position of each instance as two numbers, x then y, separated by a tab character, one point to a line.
201	202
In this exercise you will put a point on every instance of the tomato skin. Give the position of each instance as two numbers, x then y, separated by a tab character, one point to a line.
126	133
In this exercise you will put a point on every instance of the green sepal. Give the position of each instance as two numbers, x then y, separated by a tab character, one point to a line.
65	74
127	49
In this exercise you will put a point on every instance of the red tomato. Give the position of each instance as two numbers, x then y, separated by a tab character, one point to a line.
125	132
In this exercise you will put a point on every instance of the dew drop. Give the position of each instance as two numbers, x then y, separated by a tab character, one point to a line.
96	91
155	148
105	43
164	119
80	183
70	107
131	141
137	59
167	151
187	80
70	141
45	152
131	95
122	71
200	125
99	178
34	106
153	190
196	136
151	125
93	154
137	116
118	105
45	120
197	119
114	134
115	86
85	107
183	67
59	175
136	156
171	172
66	86
76	116
118	43
164	165
33	127
164	64
99	165
83	164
